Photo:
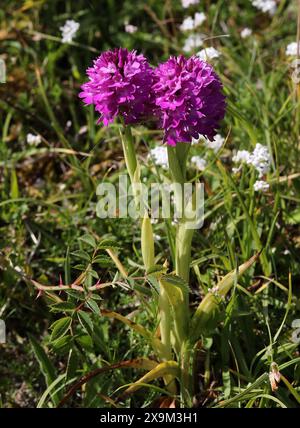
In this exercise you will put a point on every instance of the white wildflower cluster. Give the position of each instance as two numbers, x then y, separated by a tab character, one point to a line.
33	140
131	29
267	6
242	156
208	53
215	292
192	42
246	32
214	145
260	159
261	186
199	162
188	3
292	49
160	156
69	29
190	23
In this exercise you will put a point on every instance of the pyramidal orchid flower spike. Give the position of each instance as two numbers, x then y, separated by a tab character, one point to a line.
120	85
189	95
184	98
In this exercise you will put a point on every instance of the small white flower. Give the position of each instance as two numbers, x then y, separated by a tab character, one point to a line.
33	140
261	186
199	18
194	41
261	159
214	290
188	3
69	29
267	6
236	170
246	32
208	53
259	84
216	144
195	141
286	252
199	162
190	23
242	156
291	49
160	156
130	28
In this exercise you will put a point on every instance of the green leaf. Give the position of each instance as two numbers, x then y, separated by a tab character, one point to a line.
47	368
14	187
62	307
108	243
82	255
103	260
93	306
89	239
177	292
207	313
86	322
63	343
60	327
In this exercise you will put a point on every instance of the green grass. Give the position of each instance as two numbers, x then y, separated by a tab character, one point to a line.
48	201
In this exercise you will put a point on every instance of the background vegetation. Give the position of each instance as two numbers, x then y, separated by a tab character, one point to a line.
48	220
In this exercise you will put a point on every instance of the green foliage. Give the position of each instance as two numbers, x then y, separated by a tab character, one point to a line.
98	312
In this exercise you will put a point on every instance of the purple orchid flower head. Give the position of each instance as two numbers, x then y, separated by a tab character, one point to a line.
120	84
189	96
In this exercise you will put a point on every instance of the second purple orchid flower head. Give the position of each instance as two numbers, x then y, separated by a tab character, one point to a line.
184	96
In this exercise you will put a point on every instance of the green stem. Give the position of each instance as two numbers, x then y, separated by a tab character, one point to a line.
186	381
183	251
165	333
129	153
177	161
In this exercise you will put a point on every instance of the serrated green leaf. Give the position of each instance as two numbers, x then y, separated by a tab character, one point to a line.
88	239
86	322
103	260
93	306
62	307
63	343
60	327
108	243
82	255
